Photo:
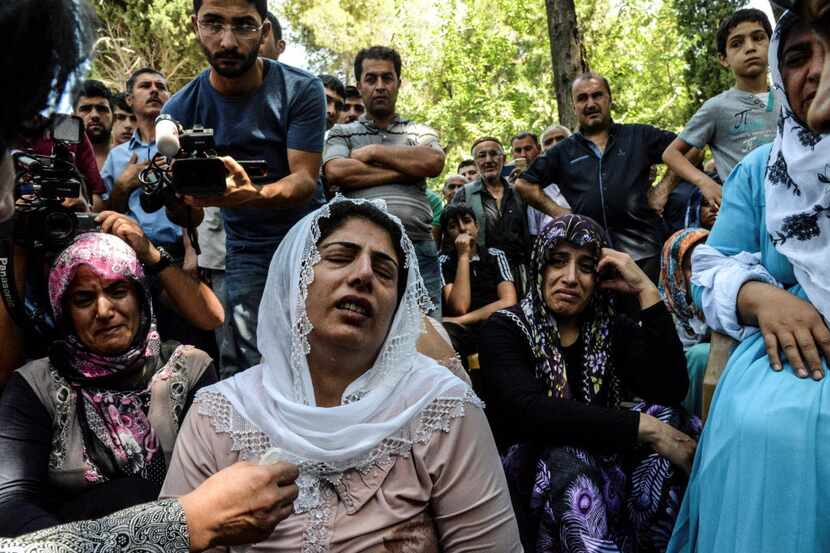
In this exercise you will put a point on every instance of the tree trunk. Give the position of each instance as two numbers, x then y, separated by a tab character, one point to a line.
566	55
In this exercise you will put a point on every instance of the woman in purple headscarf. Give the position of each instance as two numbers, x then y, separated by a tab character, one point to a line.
90	429
586	474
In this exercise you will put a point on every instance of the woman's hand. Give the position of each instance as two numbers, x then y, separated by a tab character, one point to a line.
787	323
240	504
669	442
619	272
128	230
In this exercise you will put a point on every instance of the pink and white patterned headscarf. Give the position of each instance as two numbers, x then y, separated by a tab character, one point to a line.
117	417
112	259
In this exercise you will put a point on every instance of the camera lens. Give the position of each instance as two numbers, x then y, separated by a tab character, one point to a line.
60	226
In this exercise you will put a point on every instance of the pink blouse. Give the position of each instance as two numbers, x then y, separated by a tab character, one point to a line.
447	493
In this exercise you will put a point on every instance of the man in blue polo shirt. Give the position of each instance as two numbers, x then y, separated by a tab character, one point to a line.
146	93
259	109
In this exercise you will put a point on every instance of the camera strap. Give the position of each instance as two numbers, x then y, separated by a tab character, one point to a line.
8	286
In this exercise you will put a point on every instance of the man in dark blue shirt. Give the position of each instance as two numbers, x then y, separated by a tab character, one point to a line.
259	109
603	172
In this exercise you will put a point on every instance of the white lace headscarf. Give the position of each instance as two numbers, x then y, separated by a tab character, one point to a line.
375	418
797	190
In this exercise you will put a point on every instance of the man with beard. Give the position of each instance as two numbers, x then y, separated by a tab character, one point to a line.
259	109
93	104
123	120
146	94
382	155
501	214
603	172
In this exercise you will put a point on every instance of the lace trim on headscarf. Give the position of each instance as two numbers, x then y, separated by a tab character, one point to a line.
251	443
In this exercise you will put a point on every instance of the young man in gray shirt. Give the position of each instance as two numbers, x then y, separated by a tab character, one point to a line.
738	120
382	155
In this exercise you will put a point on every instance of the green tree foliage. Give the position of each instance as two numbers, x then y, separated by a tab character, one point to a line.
482	67
138	33
698	22
634	44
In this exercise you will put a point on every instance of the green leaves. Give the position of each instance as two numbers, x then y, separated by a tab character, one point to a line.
139	33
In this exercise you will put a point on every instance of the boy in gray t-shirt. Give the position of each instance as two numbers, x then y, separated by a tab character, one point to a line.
736	121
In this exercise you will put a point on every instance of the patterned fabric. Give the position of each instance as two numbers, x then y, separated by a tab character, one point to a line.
118	419
673	285
570	500
582	232
159	527
797	191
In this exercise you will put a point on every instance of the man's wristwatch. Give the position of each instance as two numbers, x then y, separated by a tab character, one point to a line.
165	260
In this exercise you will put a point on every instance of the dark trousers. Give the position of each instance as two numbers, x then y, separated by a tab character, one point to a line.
465	342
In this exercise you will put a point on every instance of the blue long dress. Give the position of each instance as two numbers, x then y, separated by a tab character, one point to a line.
761	476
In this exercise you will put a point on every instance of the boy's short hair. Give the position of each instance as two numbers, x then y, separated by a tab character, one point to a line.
464	163
453	212
751	15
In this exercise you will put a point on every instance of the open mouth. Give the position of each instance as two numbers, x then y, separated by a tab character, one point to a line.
355	305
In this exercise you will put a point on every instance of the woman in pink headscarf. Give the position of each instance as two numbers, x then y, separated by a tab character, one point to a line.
90	428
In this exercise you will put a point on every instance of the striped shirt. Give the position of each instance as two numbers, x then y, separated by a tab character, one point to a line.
488	269
407	201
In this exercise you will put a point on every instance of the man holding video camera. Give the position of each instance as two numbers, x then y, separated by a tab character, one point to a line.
258	109
146	93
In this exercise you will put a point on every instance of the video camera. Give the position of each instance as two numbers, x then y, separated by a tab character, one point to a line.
196	170
40	221
41	225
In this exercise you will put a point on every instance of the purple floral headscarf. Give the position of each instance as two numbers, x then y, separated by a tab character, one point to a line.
117	417
598	369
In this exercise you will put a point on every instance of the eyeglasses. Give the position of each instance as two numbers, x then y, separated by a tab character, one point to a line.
215	29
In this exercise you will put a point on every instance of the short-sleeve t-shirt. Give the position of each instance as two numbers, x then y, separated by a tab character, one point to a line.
287	112
488	269
437	207
732	124
408	202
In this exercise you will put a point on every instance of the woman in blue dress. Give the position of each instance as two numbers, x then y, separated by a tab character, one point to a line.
761	477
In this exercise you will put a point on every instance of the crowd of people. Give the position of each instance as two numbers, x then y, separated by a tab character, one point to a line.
331	356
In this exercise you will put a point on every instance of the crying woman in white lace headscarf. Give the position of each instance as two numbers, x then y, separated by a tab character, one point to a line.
394	451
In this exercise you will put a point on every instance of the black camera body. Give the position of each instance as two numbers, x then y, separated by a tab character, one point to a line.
199	172
40	221
195	168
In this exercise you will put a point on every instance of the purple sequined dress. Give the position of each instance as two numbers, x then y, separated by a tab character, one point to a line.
571	500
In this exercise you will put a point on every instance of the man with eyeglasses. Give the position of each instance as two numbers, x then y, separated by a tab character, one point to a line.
259	109
817	14
500	211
